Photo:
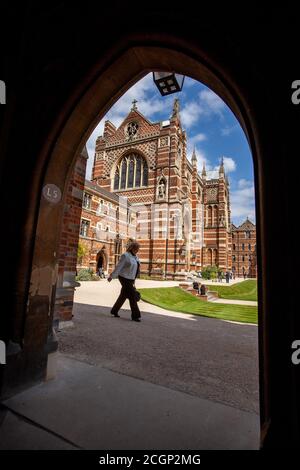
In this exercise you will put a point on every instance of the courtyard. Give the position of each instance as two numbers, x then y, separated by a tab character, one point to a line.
209	358
175	380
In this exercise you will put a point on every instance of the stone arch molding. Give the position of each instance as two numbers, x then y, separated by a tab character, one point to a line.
68	136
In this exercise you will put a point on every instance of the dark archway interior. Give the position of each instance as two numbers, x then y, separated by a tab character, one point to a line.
101	260
52	117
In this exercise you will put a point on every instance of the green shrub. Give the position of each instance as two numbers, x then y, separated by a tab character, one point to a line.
86	275
209	272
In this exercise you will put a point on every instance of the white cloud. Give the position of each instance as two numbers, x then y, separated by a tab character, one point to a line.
193	141
197	138
201	159
207	106
243	202
200	154
243	183
149	101
211	103
229	164
190	113
228	130
189	82
212	174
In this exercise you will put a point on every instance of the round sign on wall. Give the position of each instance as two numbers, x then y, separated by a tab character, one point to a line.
52	193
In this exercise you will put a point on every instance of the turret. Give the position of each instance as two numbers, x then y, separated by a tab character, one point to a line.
194	159
203	174
222	169
175	112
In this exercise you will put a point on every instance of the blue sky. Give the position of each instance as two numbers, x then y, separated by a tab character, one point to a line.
211	127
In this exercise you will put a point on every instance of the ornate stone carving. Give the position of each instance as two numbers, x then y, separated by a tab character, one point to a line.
101	155
131	130
212	194
164	141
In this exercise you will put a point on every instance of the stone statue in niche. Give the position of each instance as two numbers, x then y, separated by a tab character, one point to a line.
222	220
162	189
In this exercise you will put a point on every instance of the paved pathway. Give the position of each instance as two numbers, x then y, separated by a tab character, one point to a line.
207	357
104	293
173	381
90	407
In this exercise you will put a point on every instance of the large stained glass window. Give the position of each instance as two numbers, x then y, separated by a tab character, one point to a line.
117	179
123	171
131	172
138	172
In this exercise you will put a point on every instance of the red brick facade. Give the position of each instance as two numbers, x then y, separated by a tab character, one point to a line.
244	249
182	218
69	241
107	222
143	187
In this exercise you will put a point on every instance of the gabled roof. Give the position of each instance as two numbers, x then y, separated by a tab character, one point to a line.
145	126
247	225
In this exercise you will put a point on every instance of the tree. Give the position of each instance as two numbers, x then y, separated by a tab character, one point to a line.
81	252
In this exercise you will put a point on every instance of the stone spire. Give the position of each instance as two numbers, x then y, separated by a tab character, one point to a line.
175	112
194	159
203	174
222	169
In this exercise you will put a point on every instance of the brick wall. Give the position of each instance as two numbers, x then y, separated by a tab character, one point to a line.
69	241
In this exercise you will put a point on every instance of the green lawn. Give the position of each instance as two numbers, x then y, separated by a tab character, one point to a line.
246	290
174	298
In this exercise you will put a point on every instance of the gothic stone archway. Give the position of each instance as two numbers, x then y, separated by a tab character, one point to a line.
97	91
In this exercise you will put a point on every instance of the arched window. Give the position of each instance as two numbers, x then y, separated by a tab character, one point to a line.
215	257
215	215
210	256
131	172
117	179
209	215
